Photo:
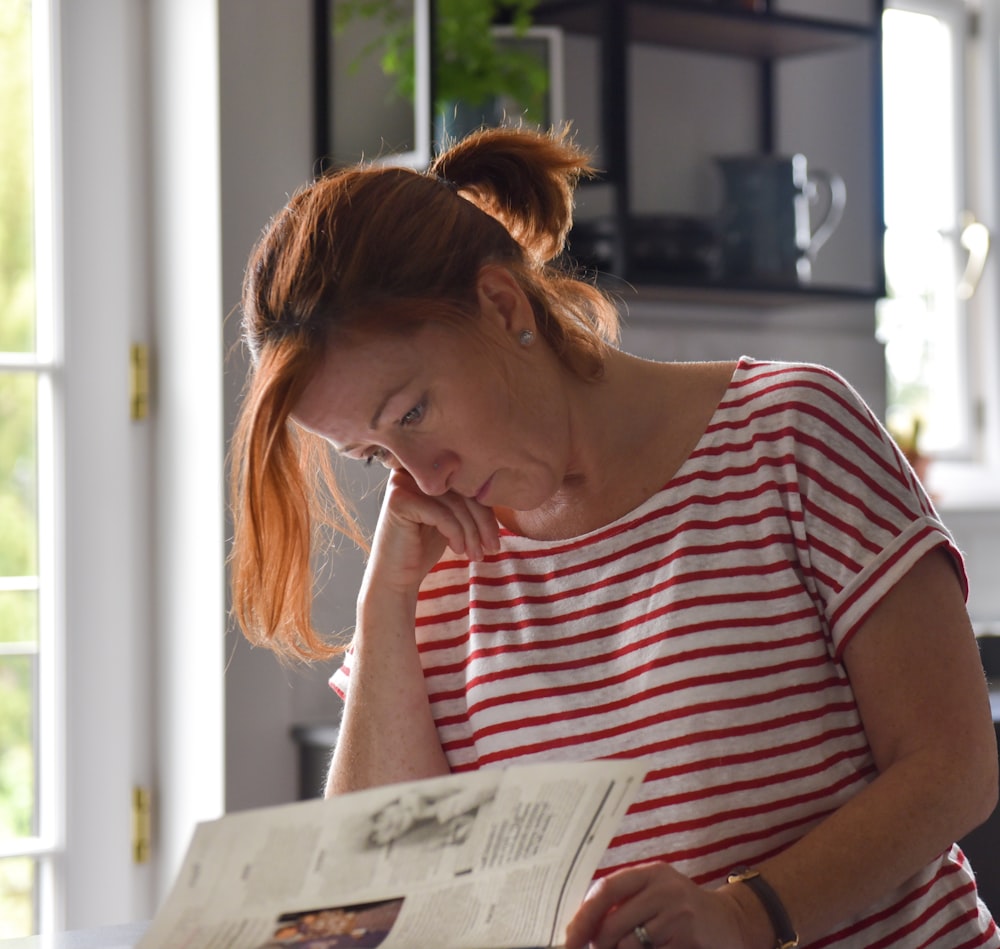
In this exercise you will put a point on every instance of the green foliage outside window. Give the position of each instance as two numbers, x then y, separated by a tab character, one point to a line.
18	470
17	276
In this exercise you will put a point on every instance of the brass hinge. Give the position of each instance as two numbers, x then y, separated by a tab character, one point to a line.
142	824
139	381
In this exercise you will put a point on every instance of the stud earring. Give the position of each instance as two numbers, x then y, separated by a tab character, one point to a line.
526	338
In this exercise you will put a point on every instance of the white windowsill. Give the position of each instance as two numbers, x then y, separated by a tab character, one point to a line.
964	486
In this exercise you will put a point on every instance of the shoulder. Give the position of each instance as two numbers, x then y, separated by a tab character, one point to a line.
810	417
810	394
763	377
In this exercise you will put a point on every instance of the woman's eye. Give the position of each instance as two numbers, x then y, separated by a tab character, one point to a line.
414	415
380	455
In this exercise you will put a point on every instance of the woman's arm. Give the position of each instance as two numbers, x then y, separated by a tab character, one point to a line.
387	733
918	679
916	672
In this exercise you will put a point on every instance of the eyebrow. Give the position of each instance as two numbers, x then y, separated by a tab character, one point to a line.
376	416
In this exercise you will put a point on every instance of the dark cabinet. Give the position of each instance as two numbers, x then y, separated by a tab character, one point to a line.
314	743
816	91
982	847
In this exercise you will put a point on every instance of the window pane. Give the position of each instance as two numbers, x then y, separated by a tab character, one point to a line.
17	281
19	561
919	94
18	611
18	475
17	897
923	322
18	674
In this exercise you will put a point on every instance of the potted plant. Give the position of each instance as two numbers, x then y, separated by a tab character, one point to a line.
475	74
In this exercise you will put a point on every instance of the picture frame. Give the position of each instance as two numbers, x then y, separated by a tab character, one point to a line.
360	115
357	116
545	43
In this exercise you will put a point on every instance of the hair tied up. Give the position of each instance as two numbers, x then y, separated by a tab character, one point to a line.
523	178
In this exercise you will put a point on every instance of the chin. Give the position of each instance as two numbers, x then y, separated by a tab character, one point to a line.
526	500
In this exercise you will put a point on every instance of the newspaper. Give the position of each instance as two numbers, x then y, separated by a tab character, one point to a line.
494	859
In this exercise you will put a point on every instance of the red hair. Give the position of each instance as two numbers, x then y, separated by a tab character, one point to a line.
383	249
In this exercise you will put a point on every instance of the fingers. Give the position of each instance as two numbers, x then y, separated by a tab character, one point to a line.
651	906
487	528
413	529
468	527
600	914
476	532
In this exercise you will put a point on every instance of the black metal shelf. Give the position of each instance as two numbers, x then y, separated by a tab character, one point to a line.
649	286
709	27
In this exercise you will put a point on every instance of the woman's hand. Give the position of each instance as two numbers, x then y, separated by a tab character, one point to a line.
414	528
673	911
387	733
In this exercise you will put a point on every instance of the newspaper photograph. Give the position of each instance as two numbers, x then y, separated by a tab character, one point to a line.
494	859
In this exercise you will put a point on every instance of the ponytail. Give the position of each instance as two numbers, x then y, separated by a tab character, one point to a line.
524	181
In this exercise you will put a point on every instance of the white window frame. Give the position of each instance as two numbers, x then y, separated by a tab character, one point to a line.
974	481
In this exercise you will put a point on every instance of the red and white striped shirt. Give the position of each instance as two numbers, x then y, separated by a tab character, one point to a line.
704	631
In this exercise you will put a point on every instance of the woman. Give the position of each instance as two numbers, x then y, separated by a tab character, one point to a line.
727	569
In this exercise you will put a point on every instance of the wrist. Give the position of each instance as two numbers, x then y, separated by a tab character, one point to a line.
378	600
765	922
385	617
756	931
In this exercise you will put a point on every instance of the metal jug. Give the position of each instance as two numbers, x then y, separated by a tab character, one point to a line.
765	224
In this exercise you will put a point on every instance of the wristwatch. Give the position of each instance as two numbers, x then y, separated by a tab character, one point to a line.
788	938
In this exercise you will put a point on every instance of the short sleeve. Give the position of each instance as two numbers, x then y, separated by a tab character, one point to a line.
866	518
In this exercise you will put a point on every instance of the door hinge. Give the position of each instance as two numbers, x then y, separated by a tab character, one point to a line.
142	824
139	381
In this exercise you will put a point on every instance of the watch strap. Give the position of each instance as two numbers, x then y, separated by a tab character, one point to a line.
788	938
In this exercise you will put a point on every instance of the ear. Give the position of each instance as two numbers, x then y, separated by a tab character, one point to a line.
502	299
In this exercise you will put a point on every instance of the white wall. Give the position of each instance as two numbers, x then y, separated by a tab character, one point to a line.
977	533
267	152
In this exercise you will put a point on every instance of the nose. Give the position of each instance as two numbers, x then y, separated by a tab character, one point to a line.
432	471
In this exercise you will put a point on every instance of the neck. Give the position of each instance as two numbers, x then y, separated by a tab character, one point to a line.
609	430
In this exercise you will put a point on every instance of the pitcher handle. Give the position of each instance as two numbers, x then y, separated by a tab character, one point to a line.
837	191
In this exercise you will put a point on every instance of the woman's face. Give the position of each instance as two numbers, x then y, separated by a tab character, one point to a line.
476	412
